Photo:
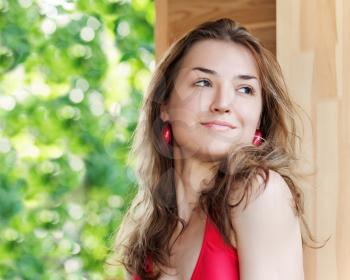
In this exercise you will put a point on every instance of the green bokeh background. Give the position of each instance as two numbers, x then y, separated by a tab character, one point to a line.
72	76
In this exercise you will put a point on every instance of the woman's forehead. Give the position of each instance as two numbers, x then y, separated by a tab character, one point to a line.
222	57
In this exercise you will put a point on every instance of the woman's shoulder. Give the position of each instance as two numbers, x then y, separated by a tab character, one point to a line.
265	189
269	205
268	195
269	227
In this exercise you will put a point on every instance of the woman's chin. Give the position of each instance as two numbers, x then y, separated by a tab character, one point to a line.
210	153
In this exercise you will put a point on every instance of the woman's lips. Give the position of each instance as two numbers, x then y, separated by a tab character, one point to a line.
218	125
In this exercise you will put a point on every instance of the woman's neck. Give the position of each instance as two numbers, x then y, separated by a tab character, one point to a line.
191	177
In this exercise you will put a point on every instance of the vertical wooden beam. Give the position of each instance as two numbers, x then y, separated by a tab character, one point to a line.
161	28
313	48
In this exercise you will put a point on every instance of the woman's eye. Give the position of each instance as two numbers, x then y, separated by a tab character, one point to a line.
203	83
247	90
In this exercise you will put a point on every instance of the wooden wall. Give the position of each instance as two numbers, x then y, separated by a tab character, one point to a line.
176	17
313	48
312	42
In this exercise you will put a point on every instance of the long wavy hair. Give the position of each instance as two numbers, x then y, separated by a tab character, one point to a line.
152	216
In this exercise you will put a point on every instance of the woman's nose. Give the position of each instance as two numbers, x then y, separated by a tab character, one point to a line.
222	99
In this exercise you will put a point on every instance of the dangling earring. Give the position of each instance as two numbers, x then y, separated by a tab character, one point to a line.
257	140
166	133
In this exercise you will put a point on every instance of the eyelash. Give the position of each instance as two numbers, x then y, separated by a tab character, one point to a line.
205	80
251	90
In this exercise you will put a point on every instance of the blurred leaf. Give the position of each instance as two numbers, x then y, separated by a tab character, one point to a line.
72	77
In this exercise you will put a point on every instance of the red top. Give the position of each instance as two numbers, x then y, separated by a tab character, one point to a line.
216	260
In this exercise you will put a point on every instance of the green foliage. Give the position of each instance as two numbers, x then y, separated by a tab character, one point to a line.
72	76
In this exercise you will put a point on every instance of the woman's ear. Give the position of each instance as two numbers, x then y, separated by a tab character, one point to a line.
164	115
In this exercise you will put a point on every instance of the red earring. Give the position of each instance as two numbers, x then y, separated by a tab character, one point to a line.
257	140
166	132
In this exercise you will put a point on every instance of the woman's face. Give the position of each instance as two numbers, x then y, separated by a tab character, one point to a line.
216	101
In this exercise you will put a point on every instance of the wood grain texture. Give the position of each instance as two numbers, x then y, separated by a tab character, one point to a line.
161	28
313	48
259	16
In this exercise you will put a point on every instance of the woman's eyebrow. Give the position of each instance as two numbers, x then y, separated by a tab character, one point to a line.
205	70
246	77
238	77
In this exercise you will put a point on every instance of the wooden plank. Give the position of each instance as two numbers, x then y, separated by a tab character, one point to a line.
343	217
327	184
161	28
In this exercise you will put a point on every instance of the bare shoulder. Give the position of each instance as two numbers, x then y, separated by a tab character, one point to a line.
268	234
275	193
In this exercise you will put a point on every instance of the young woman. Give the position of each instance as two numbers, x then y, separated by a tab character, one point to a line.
215	156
